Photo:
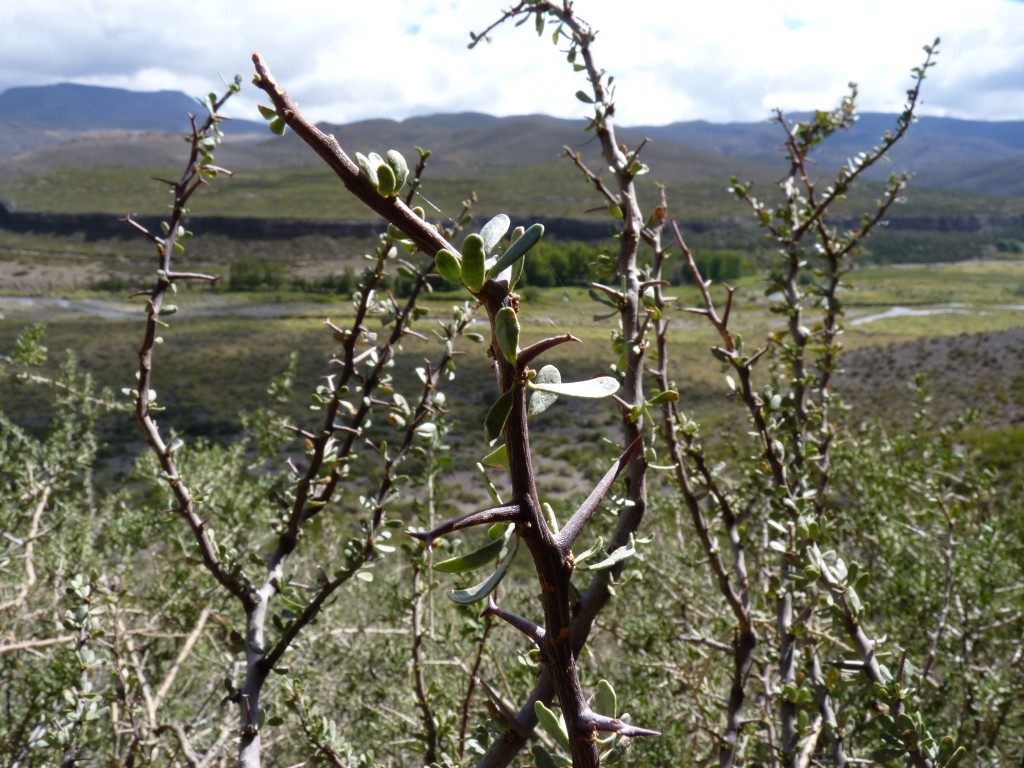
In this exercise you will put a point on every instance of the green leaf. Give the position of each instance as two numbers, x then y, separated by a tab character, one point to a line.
638	168
494	230
617	556
478	558
396	161
485	587
542	758
541	400
498	414
582	557
955	758
584	97
517	272
604	699
506	331
669	395
448	266
553	725
366	168
473	257
387	183
278	126
517	250
268	113
552	519
497	458
602	386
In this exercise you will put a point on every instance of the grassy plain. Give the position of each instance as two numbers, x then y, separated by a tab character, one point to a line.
537	189
221	349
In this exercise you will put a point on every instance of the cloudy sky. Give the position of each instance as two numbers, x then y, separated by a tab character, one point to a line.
673	60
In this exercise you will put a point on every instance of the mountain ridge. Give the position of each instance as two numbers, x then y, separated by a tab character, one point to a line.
948	153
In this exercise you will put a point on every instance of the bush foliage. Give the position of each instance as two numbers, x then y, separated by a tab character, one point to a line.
801	586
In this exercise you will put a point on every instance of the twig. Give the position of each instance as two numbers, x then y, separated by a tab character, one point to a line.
28	645
183	653
947	594
183	741
29	556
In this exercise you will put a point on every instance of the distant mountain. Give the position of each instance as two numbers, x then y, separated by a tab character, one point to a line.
1005	177
468	142
91	124
942	152
39	116
462	144
91	108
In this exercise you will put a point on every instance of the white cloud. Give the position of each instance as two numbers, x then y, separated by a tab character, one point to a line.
682	60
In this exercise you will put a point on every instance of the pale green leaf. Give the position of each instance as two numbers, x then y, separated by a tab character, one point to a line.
493	231
617	556
541	400
602	386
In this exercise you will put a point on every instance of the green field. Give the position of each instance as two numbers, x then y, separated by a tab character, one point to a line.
543	189
221	349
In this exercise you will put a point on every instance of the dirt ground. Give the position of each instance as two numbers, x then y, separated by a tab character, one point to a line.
25	273
981	371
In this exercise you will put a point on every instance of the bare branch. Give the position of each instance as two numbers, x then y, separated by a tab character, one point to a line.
29	555
574	526
530	353
594	179
183	741
183	653
28	645
392	209
947	594
507	513
527	627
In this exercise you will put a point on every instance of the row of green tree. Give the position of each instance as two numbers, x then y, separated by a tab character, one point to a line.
552	264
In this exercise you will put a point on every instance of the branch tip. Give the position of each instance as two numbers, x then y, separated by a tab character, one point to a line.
614	725
507	513
572	529
527	627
